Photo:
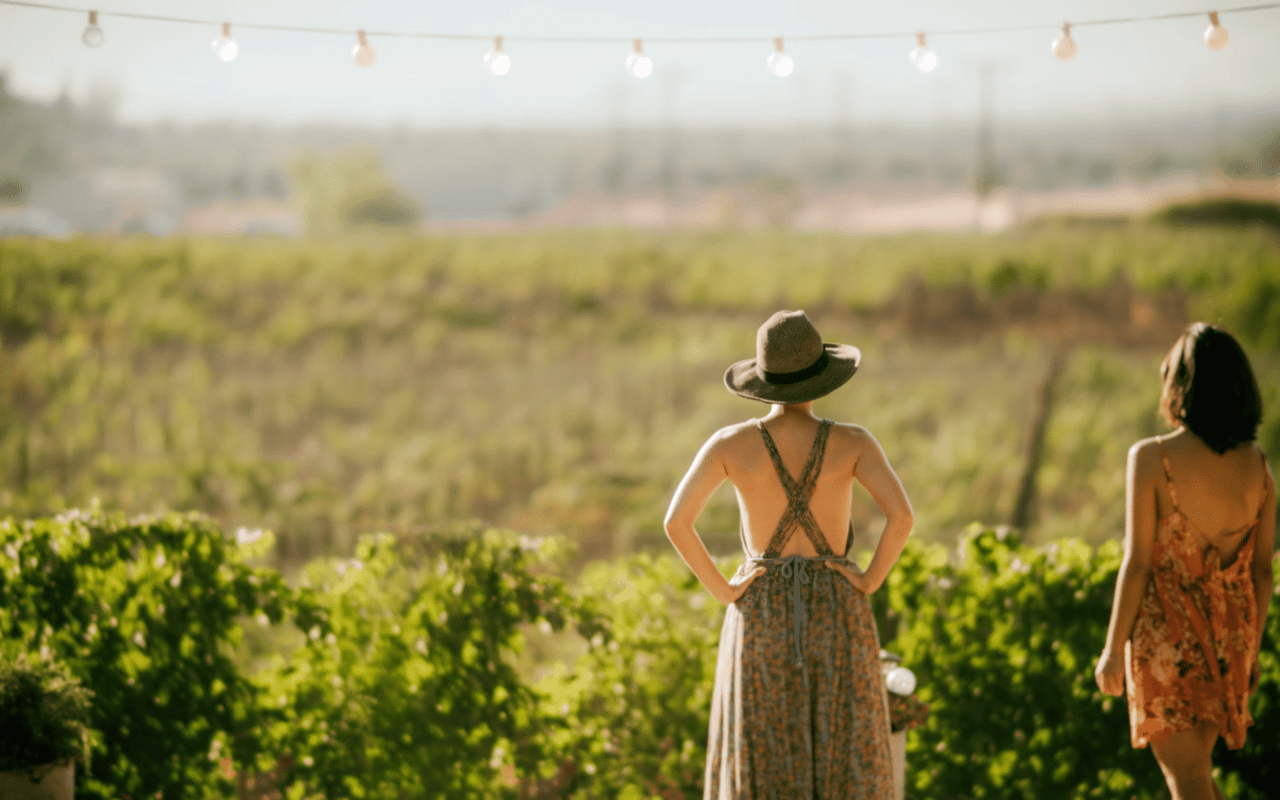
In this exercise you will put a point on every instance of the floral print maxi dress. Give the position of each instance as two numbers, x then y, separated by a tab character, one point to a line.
799	708
1191	650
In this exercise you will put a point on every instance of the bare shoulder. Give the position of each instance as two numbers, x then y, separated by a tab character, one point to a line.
850	435
733	436
1144	458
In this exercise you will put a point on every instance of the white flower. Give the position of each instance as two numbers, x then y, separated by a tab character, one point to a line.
590	769
160	560
457	588
308	761
336	681
544	626
421	645
597	640
176	580
263	619
314	633
245	536
329	638
138	639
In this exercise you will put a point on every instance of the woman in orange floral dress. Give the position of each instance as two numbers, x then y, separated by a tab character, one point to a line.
1196	580
798	709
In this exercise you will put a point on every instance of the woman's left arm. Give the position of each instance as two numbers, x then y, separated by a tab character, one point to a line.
1141	479
704	476
1263	580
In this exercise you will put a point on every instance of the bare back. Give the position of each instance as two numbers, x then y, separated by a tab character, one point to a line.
763	500
1220	496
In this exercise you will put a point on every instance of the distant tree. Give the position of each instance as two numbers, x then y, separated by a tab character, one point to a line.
347	192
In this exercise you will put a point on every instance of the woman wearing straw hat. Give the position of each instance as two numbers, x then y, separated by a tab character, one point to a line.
798	708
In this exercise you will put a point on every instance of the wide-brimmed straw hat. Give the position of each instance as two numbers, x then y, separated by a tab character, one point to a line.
792	363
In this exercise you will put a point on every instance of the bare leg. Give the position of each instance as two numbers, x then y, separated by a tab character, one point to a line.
1184	760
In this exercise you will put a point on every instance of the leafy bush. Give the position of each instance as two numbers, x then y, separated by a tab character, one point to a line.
43	711
1004	642
145	613
635	706
407	685
430	666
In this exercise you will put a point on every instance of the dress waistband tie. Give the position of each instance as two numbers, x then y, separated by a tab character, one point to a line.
797	569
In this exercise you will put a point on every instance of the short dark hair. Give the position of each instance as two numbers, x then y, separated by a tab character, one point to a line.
1210	388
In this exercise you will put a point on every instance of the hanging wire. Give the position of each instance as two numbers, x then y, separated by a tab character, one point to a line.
661	39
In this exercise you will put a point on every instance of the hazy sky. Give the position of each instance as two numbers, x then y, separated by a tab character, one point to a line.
165	71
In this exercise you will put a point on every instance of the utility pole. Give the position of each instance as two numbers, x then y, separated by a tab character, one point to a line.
616	167
669	171
843	149
985	178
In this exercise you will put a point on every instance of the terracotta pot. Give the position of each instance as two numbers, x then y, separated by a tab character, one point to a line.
55	782
898	754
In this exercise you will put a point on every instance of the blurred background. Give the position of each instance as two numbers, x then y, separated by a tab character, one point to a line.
295	293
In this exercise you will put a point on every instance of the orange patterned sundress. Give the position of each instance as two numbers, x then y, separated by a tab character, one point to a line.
799	708
1189	657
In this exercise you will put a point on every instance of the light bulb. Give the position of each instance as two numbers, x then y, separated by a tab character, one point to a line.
223	47
900	681
362	52
1215	35
1064	47
93	35
495	60
638	64
780	63
922	58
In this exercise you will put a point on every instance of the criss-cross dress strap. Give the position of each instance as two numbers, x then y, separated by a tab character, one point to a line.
798	513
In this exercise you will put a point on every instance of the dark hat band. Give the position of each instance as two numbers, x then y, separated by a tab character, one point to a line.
800	374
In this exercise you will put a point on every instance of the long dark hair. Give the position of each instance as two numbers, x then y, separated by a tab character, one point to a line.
1210	387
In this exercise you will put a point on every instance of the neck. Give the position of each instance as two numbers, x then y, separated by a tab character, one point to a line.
791	410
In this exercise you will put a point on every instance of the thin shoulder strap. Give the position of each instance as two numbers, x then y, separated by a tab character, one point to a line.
812	467
798	492
1266	482
1168	476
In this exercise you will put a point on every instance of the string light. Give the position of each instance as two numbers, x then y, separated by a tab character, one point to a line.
223	47
780	63
93	35
363	52
1064	47
638	64
495	60
1215	35
922	58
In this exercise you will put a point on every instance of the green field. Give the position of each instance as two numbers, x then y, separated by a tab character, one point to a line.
560	382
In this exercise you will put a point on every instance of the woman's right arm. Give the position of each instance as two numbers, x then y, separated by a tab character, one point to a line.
1141	479
1263	545
874	473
